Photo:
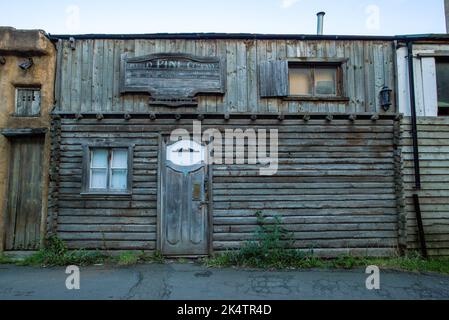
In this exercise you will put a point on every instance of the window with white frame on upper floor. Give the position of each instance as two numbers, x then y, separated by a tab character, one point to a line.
442	73
28	102
108	170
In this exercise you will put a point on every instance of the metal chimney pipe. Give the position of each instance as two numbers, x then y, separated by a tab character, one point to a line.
446	11
320	25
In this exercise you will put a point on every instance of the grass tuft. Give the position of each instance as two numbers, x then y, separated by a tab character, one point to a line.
6	260
56	253
270	250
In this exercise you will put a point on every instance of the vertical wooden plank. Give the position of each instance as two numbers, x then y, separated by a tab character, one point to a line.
13	196
293	51
252	82
419	92
231	97
430	90
261	58
272	103
22	197
242	77
390	60
140	100
128	100
281	52
221	52
77	77
97	75
368	65
108	75
379	75
66	71
350	76
200	50
403	82
58	80
87	76
359	83
211	51
30	191
117	100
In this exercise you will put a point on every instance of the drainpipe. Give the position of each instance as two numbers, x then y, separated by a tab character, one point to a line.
411	75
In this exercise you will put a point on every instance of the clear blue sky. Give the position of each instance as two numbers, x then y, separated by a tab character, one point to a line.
383	17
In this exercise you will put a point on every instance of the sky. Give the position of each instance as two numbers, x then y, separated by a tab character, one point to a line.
358	17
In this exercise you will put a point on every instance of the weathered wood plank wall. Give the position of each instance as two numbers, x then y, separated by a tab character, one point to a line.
335	188
433	134
88	78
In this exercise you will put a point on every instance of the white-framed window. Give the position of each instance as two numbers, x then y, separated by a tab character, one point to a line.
28	102
108	169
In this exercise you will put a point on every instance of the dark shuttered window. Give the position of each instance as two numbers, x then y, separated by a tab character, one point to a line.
273	79
28	102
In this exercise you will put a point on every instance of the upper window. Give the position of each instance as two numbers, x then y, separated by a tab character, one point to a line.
108	169
28	102
314	80
442	67
303	79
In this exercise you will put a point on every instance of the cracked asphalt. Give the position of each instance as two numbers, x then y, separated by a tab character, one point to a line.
195	282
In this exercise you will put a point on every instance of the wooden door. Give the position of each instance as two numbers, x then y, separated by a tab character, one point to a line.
23	216
184	197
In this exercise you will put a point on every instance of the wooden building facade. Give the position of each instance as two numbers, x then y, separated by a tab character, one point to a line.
426	180
338	186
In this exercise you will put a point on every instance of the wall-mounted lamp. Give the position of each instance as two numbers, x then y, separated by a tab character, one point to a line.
385	98
27	64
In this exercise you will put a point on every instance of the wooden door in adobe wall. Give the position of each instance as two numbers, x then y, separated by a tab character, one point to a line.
184	200
23	211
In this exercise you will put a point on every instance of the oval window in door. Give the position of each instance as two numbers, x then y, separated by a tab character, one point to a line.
186	153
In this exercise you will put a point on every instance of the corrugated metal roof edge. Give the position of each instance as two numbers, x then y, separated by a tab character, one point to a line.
247	36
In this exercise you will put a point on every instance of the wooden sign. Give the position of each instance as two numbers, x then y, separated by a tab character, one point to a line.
172	79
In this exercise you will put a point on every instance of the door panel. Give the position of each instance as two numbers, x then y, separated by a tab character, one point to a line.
184	216
198	215
23	216
173	227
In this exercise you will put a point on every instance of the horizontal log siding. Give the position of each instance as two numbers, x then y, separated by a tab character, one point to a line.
88	76
433	134
335	189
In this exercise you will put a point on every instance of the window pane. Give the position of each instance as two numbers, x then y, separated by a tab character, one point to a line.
120	158
443	84
98	178
300	81
326	81
99	158
119	179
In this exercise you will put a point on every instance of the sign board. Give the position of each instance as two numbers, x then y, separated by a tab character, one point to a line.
172	79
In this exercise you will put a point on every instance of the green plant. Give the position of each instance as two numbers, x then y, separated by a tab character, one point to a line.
346	262
6	260
56	253
270	247
158	257
129	259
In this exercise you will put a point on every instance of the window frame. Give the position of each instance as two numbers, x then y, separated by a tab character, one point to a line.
440	59
86	174
33	88
312	65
